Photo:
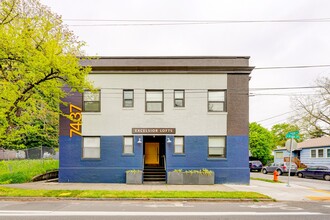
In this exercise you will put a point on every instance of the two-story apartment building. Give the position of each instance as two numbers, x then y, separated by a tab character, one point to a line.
166	112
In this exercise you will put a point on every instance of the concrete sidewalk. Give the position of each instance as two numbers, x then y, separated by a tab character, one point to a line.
278	191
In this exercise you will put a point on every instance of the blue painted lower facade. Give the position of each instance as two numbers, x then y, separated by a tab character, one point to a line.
111	166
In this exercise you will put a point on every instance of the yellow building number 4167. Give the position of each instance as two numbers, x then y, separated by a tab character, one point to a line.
75	117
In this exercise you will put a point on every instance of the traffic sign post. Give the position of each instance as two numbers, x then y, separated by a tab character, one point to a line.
291	134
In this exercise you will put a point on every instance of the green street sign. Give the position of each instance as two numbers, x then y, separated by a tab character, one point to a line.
293	134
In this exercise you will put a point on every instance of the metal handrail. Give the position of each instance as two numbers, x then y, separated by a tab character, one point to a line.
164	158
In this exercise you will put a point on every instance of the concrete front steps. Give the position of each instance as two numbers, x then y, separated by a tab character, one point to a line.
154	175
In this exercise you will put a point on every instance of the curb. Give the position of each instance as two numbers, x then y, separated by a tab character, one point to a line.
133	199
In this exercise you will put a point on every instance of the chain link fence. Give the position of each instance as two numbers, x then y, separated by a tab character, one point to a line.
31	153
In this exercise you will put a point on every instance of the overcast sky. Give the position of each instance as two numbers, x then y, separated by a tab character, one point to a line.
268	43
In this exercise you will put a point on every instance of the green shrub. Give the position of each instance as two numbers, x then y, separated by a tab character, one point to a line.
134	171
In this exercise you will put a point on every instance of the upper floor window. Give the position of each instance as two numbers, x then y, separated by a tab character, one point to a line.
328	153
279	155
128	98
179	98
154	101
178	145
91	148
313	153
217	146
320	152
216	101
91	101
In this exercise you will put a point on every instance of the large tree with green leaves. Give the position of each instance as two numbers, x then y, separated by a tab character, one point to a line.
261	142
313	111
38	56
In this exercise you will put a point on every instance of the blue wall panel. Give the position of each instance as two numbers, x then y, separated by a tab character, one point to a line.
109	168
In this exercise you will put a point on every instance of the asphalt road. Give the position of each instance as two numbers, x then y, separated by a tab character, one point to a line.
79	209
306	182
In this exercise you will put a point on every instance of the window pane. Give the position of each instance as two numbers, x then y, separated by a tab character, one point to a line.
216	151
92	142
279	155
154	107
89	96
313	153
178	149
328	152
91	152
128	150
216	107
128	94
216	141
217	96
128	141
91	106
154	96
178	140
178	103
128	103
320	153
178	94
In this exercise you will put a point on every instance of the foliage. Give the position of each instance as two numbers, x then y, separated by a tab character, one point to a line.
13	192
313	112
261	142
134	171
21	171
279	132
265	180
38	56
203	171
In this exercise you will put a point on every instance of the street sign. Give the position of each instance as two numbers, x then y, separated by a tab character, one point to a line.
293	134
288	144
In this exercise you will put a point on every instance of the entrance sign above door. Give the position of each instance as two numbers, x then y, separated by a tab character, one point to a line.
153	130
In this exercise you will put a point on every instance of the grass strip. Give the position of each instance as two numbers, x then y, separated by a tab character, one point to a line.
265	180
14	192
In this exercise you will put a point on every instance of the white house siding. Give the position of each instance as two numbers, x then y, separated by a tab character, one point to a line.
305	157
193	119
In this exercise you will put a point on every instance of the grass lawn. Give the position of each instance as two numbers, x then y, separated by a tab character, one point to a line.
13	192
265	180
21	171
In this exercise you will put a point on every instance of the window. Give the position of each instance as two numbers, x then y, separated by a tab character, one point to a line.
91	147
128	98
320	153
154	101
128	145
178	145
279	155
216	101
328	152
313	153
179	98
91	101
217	146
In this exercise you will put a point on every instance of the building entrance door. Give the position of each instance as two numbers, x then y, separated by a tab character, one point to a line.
152	153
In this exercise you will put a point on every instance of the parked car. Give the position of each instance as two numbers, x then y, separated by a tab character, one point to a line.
319	172
255	165
280	168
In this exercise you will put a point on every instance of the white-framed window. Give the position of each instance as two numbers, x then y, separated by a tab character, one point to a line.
216	101
128	145
179	145
91	148
217	146
313	153
320	153
179	98
154	101
328	153
279	155
91	101
128	98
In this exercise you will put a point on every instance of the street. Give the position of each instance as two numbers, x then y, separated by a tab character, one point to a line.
79	209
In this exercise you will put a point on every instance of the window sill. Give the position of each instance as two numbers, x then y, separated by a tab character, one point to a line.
217	113
93	159
154	113
128	155
216	158
179	108
178	155
91	113
127	108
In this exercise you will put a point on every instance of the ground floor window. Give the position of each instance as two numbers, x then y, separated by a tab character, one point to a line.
328	152
313	153
217	146
178	145
91	148
279	155
320	153
128	145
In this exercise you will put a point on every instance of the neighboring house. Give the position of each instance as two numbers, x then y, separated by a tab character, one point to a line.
310	152
164	113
